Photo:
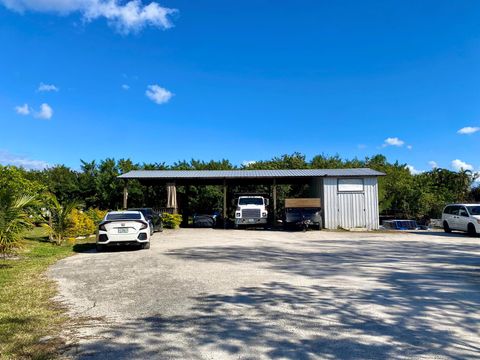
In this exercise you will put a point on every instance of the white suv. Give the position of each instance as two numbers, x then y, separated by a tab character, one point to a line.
462	217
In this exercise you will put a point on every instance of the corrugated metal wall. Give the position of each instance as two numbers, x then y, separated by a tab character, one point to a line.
348	210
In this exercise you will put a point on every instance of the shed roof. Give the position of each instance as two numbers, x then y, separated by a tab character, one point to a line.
248	174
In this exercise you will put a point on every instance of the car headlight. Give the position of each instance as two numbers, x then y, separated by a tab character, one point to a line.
478	221
264	214
237	214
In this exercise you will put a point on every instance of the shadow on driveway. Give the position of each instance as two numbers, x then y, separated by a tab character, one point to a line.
424	304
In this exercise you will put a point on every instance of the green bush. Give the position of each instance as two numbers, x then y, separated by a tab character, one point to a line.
171	221
96	215
81	224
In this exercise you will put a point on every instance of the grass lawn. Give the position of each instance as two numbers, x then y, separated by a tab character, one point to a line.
27	312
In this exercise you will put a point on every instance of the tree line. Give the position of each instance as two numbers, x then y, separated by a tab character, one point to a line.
95	184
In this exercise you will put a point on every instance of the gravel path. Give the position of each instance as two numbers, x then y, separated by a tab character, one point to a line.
214	294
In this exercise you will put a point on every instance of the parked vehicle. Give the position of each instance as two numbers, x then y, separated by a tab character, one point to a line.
251	211
205	220
400	225
303	213
152	216
123	228
462	217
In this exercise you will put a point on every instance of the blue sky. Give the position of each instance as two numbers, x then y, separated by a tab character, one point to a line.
243	80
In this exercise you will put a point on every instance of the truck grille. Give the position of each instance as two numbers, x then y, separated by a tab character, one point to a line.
251	213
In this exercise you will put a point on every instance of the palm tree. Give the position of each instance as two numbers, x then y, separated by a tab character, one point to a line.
14	219
59	219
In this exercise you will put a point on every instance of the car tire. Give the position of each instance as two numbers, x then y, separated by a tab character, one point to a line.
446	228
100	248
146	246
471	230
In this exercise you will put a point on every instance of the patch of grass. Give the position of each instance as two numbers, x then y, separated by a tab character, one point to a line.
27	312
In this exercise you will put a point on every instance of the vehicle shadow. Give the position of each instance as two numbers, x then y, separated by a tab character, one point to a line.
417	300
91	248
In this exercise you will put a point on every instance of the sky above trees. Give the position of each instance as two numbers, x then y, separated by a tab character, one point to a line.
176	79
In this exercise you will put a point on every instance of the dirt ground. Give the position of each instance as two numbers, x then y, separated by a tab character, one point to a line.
240	294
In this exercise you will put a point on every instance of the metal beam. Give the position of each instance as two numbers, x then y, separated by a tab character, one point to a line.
274	202
125	195
224	204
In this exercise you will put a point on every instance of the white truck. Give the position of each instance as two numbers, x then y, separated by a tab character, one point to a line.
251	211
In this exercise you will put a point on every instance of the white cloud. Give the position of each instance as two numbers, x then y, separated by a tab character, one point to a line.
125	87
47	87
413	171
361	146
468	130
158	94
125	16
23	109
459	165
7	158
433	164
248	162
393	141
46	112
409	147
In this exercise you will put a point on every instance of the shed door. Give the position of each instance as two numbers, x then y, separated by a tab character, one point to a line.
351	210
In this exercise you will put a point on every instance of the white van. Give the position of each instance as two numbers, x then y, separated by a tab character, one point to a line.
462	217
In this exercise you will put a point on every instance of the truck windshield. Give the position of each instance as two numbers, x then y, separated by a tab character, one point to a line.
250	201
474	210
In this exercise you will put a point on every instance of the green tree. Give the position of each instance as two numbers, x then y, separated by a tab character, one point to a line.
14	218
60	222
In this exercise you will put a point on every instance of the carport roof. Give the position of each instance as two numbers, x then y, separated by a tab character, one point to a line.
248	174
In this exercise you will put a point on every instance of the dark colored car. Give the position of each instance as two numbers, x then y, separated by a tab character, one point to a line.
303	218
154	218
205	220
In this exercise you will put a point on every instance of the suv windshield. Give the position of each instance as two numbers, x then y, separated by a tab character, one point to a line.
131	216
474	210
250	201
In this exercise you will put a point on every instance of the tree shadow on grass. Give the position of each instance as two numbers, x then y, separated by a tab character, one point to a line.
419	300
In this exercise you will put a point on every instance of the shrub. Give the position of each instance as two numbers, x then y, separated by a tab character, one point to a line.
81	224
14	219
96	215
171	221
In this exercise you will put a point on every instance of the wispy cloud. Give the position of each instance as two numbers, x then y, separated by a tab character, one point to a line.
22	109
7	158
248	162
125	87
467	130
47	88
414	171
46	112
158	94
393	141
433	164
459	165
126	17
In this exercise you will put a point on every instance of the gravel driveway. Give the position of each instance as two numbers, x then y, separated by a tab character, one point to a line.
214	294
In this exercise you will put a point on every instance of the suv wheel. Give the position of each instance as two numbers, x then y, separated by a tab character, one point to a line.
146	245
99	248
446	228
471	230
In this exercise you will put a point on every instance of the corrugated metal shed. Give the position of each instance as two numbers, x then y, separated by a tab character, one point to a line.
235	174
